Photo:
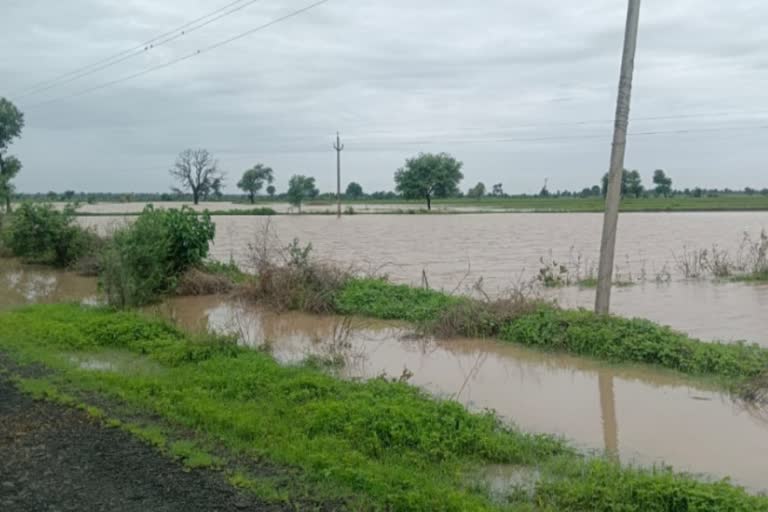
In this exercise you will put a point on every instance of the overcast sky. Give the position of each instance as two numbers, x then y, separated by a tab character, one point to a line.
519	91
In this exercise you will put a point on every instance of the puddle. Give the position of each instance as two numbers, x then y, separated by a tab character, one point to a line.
635	413
116	361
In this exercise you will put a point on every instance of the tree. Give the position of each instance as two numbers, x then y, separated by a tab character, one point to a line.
354	190
635	184
69	194
11	124
253	180
429	175
750	191
498	190
663	183
544	192
271	190
196	171
301	188
477	191
624	183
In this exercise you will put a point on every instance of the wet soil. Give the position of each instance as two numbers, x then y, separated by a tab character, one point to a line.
54	458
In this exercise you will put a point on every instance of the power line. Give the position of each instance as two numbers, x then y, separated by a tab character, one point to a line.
185	57
136	50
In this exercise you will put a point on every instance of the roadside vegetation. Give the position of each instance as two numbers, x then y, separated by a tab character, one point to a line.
375	445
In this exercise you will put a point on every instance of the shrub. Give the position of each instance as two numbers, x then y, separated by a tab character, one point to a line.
146	259
381	299
43	234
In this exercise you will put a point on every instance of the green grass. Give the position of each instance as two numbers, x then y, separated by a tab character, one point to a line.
375	445
380	299
581	332
229	270
734	202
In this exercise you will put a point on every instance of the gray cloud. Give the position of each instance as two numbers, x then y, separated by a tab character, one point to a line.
503	85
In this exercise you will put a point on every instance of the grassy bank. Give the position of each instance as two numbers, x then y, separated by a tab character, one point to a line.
545	326
376	445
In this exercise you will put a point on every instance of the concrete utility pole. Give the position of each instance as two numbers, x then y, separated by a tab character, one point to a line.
339	147
613	197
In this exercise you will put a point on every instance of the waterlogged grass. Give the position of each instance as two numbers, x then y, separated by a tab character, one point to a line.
544	326
376	445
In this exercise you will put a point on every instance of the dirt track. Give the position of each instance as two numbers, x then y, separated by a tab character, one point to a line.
54	458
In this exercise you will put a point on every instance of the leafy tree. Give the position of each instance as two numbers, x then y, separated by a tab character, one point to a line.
663	183
635	184
11	124
354	190
253	180
764	192
544	192
750	191
9	168
69	194
51	195
271	190
477	191
498	190
429	175
197	171
625	183
301	188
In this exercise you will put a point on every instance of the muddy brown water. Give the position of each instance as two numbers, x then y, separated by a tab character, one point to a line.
505	249
641	415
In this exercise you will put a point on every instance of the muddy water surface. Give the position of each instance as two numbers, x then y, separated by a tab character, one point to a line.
639	414
504	249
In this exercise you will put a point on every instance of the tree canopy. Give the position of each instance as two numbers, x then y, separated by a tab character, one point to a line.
354	190
253	180
11	124
477	191
663	183
301	188
197	172
428	176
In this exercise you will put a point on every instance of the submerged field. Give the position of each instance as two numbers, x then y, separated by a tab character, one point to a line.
374	445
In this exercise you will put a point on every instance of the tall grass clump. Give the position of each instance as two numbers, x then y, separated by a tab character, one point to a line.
290	277
147	258
40	233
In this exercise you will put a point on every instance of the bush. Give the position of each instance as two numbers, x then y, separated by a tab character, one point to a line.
380	299
43	234
146	259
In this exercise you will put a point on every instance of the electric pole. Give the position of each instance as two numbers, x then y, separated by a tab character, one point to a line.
613	196
339	147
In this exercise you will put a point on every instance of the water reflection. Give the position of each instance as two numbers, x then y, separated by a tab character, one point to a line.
25	284
635	413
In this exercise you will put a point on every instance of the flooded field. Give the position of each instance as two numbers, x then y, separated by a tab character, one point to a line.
636	413
454	251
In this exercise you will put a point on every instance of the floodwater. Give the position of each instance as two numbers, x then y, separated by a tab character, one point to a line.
455	251
638	414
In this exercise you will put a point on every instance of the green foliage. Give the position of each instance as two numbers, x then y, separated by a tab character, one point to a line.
633	340
145	259
301	188
41	233
354	191
375	445
477	191
380	299
230	270
253	180
11	124
663	183
429	175
603	486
